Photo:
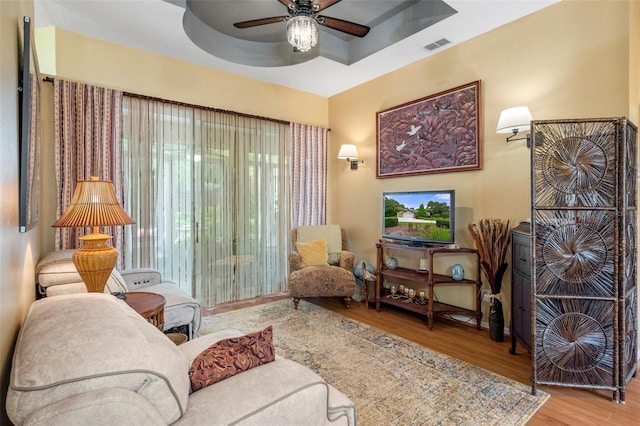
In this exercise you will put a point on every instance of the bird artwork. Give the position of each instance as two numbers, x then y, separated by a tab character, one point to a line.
434	134
413	130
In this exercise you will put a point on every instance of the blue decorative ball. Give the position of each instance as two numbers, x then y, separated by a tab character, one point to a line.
391	262
457	273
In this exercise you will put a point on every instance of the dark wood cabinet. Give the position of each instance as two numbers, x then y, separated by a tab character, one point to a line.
520	328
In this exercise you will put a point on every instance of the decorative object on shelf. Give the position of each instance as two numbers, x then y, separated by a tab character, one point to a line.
94	204
435	134
424	265
457	272
391	262
492	238
584	235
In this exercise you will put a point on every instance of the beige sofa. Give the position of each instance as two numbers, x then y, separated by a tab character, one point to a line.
89	359
57	275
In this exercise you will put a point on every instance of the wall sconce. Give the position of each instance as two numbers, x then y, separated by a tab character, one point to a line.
349	152
514	120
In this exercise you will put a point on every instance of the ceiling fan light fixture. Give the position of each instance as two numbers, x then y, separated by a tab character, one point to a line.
302	32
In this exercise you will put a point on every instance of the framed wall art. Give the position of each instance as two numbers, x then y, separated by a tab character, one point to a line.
29	130
435	134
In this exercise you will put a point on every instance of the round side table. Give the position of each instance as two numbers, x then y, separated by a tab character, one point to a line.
177	338
149	305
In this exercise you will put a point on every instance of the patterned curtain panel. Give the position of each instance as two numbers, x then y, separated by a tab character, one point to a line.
88	134
308	174
209	194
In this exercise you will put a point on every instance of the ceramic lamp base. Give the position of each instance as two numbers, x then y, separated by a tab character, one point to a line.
95	261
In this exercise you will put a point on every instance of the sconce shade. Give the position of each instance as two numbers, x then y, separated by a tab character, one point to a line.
514	120
94	204
348	152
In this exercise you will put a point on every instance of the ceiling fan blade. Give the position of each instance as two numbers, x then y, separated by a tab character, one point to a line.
286	3
257	22
344	26
323	4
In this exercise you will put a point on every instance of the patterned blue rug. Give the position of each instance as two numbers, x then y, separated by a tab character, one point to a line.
391	380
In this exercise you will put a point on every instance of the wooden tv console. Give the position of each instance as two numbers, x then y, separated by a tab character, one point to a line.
428	307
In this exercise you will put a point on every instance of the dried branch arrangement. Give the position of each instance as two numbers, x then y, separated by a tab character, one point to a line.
492	238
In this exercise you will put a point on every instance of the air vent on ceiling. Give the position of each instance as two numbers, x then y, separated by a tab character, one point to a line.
437	44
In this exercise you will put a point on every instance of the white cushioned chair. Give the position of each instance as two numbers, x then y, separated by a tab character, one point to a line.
57	275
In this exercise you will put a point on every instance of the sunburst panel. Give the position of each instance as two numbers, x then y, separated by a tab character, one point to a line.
575	342
575	165
575	253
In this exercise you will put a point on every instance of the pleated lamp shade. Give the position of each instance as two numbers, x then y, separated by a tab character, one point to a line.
94	204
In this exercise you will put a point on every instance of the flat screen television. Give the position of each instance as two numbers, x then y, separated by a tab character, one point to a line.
419	218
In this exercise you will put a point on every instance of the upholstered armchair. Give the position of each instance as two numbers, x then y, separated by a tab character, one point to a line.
320	266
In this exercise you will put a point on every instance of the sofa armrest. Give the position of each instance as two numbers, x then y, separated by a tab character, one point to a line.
295	262
347	260
140	278
100	407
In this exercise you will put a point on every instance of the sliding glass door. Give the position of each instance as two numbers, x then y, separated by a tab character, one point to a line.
209	193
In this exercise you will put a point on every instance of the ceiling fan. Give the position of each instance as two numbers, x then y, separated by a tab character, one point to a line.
302	21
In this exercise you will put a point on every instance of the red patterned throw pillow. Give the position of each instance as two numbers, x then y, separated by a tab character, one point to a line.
229	357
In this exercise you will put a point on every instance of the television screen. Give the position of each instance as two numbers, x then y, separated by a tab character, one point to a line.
421	218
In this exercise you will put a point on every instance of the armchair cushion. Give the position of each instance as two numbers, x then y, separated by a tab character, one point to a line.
313	253
331	233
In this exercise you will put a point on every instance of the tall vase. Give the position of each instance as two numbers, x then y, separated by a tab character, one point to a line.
496	314
496	321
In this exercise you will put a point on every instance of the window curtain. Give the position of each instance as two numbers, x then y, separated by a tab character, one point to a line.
87	139
308	174
209	191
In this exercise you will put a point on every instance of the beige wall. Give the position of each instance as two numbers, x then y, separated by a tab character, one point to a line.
570	60
18	251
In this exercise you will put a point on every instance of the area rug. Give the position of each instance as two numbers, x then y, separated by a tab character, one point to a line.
391	380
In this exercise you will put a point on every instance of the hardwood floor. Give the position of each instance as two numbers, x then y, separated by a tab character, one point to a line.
567	406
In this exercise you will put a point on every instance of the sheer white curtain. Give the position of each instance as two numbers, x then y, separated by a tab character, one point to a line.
211	191
308	174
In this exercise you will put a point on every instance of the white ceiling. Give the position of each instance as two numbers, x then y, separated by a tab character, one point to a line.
157	26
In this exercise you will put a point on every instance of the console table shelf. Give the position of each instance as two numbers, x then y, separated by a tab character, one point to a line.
429	307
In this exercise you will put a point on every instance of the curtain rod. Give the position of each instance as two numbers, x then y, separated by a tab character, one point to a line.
153	98
241	114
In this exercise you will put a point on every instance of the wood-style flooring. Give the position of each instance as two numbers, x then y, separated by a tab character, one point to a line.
567	406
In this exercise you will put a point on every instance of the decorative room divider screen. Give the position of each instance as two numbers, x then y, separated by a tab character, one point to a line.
584	234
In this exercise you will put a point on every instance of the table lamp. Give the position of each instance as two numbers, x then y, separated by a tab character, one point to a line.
94	204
